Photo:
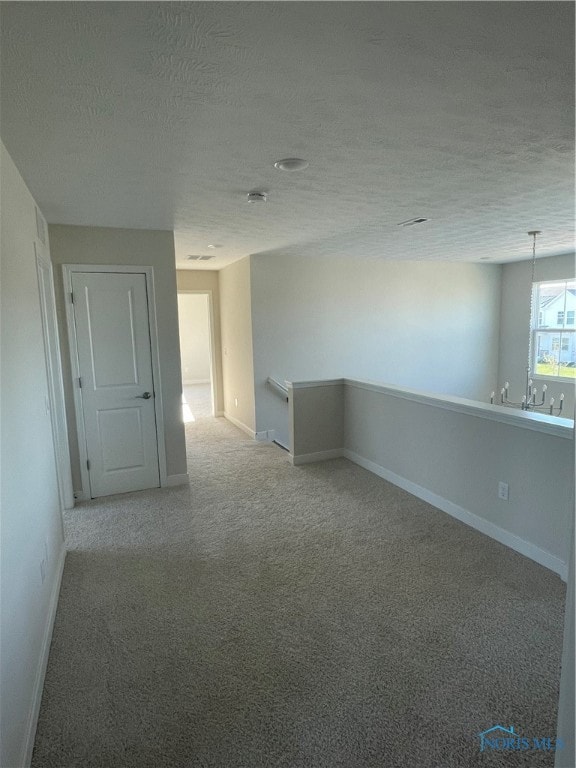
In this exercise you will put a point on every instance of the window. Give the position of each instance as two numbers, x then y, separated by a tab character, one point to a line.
553	331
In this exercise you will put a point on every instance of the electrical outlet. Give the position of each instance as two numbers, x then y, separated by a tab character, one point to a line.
503	491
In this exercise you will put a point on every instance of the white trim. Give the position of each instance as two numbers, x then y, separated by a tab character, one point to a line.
82	493
212	341
265	436
67	271
492	530
54	376
317	383
280	389
240	425
311	458
176	480
156	372
539	422
554	379
43	662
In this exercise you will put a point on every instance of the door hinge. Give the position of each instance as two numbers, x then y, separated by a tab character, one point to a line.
88	464
80	381
72	298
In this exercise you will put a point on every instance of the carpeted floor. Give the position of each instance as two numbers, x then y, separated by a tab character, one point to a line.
198	398
310	617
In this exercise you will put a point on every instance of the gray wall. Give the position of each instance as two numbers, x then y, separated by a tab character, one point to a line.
515	323
138	247
452	452
432	326
31	523
462	458
317	421
566	758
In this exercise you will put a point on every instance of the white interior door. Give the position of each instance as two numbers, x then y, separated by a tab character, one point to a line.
117	387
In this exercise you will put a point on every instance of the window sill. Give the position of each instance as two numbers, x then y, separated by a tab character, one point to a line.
553	379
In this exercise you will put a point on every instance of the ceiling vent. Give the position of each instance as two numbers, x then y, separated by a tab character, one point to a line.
256	197
200	258
411	222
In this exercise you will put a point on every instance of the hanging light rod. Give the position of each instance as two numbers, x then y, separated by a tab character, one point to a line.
529	401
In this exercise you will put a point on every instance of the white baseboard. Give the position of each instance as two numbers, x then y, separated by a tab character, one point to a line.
240	425
43	661
311	458
176	480
266	436
492	530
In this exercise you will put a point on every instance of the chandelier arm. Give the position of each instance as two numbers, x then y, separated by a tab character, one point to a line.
528	402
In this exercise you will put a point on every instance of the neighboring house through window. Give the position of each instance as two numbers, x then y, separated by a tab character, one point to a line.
553	331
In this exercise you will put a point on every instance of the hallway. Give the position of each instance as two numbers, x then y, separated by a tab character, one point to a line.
304	617
196	402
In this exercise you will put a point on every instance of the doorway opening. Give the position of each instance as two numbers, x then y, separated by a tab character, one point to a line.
196	355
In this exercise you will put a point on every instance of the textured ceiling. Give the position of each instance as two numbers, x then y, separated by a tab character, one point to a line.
164	115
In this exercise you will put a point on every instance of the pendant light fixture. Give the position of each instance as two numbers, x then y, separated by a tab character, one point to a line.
529	400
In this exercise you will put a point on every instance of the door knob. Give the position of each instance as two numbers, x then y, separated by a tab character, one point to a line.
145	396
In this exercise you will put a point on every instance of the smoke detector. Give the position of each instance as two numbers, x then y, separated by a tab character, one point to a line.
291	164
256	197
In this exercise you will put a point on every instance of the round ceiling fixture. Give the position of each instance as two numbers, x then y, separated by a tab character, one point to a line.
291	164
256	197
214	245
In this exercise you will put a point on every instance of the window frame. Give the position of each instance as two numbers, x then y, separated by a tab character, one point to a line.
537	327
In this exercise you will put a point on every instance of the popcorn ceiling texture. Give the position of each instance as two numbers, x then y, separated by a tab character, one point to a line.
309	617
164	115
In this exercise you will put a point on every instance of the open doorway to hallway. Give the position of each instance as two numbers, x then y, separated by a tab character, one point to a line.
196	355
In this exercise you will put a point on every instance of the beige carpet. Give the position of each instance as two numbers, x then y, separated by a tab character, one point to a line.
198	398
311	617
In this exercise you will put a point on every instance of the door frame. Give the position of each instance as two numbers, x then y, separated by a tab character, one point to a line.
211	338
54	376
67	271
